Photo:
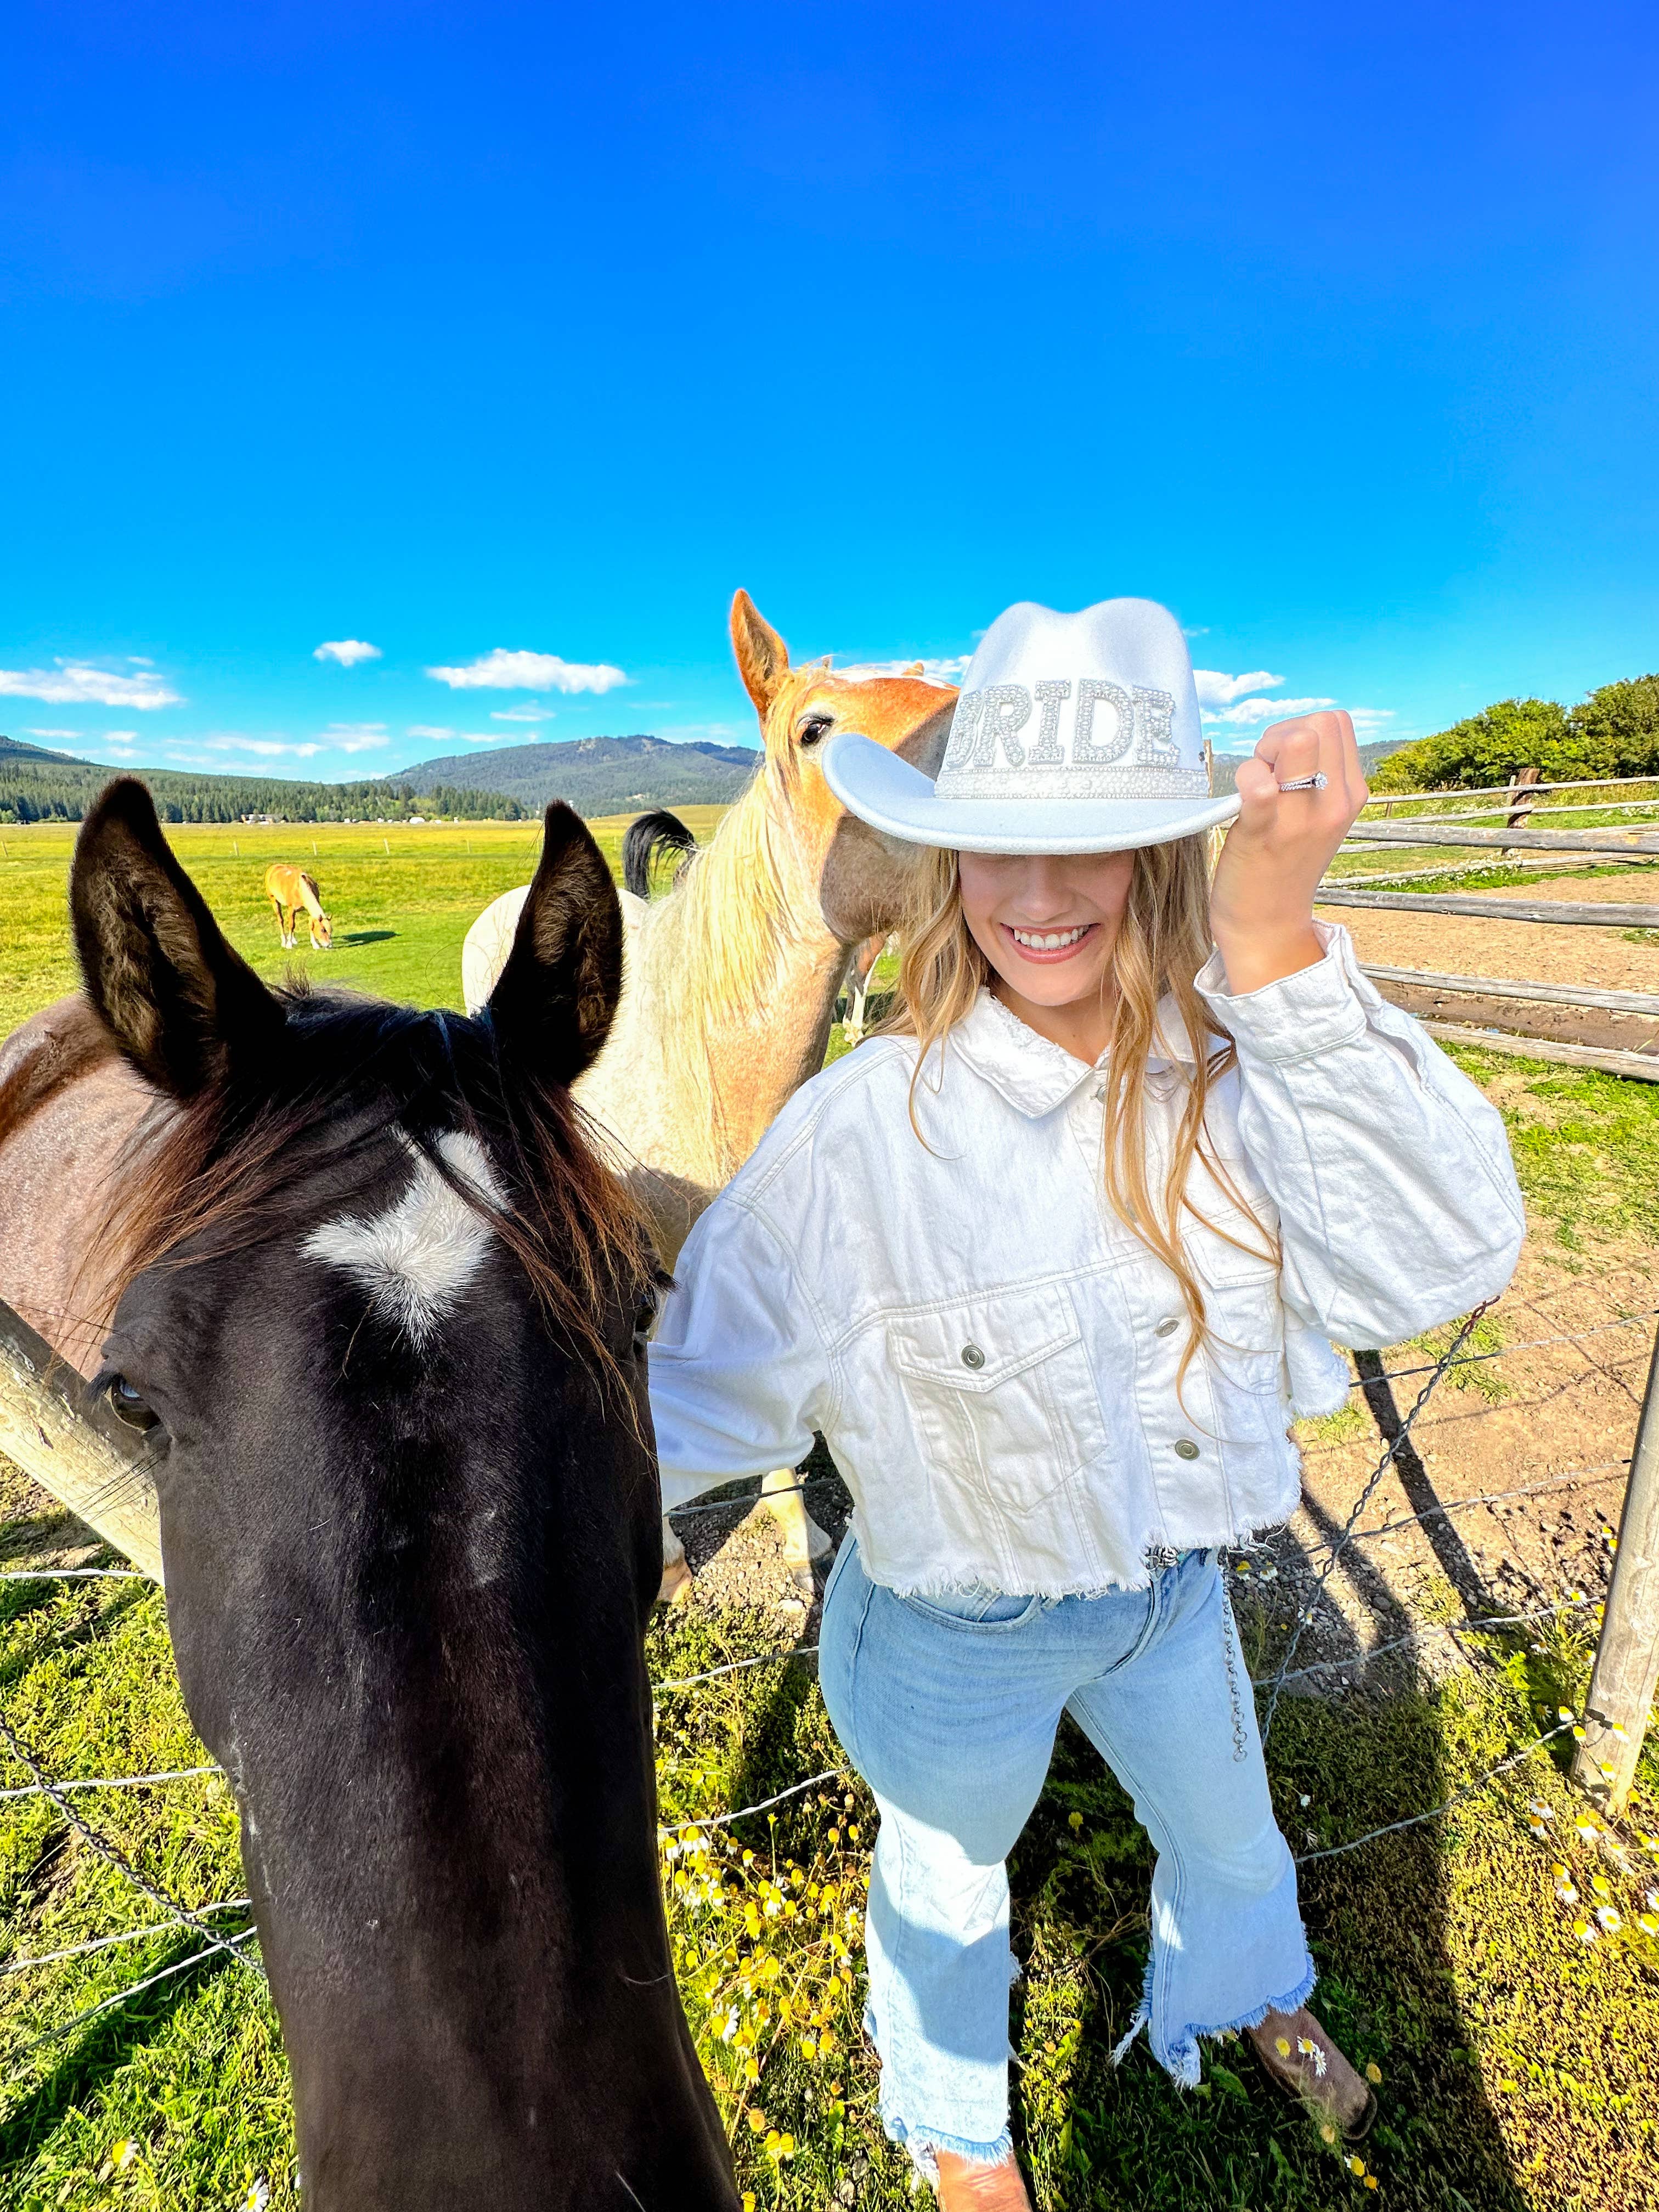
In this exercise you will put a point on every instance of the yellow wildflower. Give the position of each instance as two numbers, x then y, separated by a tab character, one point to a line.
1373	2071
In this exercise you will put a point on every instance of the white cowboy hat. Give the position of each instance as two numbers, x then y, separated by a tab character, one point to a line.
1073	734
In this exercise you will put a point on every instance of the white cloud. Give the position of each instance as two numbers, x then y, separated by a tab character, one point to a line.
1249	714
484	736
427	730
501	670
78	684
528	714
56	733
1215	690
263	748
118	737
347	651
1368	723
948	670
355	737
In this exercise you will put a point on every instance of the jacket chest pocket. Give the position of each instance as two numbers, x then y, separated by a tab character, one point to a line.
1244	1318
1001	1387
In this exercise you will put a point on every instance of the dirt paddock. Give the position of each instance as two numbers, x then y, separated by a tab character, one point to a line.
1522	951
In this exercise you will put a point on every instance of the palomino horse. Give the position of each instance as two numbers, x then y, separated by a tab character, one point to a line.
410	1515
730	979
292	891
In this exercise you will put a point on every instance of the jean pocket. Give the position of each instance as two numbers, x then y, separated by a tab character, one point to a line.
1001	1392
974	1609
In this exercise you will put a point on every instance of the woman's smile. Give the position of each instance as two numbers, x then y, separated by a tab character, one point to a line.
1051	945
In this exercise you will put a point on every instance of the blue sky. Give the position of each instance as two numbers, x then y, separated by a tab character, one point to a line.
471	331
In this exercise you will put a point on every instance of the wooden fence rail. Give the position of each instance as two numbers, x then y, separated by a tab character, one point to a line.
73	1446
1503	986
1615	844
1495	909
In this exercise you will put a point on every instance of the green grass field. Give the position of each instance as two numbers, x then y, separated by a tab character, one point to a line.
1518	2062
401	899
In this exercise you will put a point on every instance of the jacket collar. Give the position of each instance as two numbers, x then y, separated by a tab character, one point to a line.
1034	1074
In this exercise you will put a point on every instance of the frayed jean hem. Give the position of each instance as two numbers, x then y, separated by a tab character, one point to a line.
925	2144
1180	2057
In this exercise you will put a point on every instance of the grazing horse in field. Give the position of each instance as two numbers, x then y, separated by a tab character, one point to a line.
730	979
291	891
410	1530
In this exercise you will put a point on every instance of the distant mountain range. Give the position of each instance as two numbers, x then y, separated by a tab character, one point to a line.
15	749
597	775
1227	763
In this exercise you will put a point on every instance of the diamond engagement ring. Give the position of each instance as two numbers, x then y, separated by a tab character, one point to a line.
1315	782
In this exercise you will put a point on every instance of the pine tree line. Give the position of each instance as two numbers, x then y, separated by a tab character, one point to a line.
61	792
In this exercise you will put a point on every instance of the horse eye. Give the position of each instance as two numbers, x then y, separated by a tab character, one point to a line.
127	1406
813	728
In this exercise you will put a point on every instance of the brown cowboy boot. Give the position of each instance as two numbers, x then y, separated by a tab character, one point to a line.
1304	2061
965	2188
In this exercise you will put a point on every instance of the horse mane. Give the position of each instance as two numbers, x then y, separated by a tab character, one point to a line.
234	1162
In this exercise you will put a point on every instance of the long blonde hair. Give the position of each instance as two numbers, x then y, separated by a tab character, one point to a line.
1162	941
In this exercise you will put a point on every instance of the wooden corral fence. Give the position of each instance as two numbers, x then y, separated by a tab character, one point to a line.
73	1445
1498	826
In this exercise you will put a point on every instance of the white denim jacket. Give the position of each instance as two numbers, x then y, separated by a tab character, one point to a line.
994	1357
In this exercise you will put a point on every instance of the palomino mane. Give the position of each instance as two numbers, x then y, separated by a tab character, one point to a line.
236	1161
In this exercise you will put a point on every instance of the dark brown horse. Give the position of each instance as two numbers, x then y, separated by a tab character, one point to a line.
410	1518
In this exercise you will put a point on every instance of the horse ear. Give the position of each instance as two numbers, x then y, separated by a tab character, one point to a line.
762	656
916	668
554	1002
181	1004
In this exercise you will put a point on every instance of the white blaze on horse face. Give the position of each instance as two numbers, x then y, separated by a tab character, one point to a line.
416	1258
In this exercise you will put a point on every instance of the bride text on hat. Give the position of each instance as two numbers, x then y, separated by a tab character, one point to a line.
1139	729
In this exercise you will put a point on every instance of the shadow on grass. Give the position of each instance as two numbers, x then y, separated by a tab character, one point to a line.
1097	2137
72	1635
91	2054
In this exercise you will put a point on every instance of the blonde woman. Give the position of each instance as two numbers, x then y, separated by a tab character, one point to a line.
1146	1145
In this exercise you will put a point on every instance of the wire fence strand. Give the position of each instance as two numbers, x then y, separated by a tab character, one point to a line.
1448	1804
1465	1330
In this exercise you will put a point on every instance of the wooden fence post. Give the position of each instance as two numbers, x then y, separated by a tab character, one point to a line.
75	1447
1627	1655
1522	778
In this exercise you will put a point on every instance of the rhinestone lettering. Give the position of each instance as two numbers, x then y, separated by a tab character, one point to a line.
1154	711
1091	691
964	750
1046	752
1007	709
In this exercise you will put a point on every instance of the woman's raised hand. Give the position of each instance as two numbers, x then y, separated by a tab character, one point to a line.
1261	898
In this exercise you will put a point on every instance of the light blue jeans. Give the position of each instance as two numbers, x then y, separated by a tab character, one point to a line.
948	1708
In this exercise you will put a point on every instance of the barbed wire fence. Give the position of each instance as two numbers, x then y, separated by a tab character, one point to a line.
239	1944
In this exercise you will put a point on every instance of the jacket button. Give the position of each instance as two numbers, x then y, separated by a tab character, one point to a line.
1167	1326
972	1356
1186	1448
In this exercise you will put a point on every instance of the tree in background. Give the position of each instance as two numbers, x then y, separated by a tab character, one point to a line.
1620	723
1614	732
